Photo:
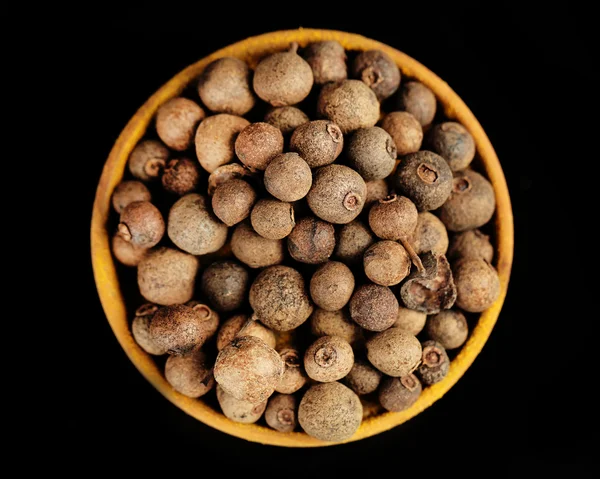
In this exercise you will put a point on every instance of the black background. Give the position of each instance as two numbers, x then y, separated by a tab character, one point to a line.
523	73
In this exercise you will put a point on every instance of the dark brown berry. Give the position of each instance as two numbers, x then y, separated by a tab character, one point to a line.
272	219
471	244
140	329
328	359
372	152
225	284
127	253
477	285
363	378
232	201
453	142
141	224
311	241
449	328
128	192
353	240
318	142
224	87
410	320
394	352
239	411
181	176
376	190
398	394
148	159
215	140
294	376
233	327
331	286
281	412
190	375
378	71
258	144
254	250
418	100
435	363
327	60
286	118
405	130
288	177
430	235
386	263
176	122
374	307
177	329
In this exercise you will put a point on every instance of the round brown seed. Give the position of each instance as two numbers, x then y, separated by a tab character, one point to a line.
281	412
398	394
311	241
215	140
353	240
141	224
225	283
418	100
328	359
372	152
386	263
435	363
177	329
410	320
406	131
394	352
331	286
286	118
147	160
254	250
327	60
318	142
190	375
258	144
378	71
272	219
363	378
477	285
127	253
430	235
335	323
288	177
294	376
230	329
176	122
181	176
140	329
471	244
239	411
128	192
449	328
454	143
232	201
374	307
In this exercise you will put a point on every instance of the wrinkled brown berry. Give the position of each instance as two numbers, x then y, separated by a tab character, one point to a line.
471	244
128	192
405	130
453	142
363	378
127	253
410	320
386	263
177	329
449	328
294	376
327	60
176	122
373	307
353	240
376	190
430	234
141	224
239	411
272	219
435	363
378	71
190	375
288	177
318	142
148	159
477	285
254	250
311	241
398	394
281	412
418	100
394	352
286	118
225	284
181	176
331	286
234	325
140	329
215	140
258	144
232	201
372	152
335	323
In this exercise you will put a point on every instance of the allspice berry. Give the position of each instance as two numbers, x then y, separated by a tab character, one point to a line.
394	352
176	122
224	86
311	241
410	320
272	219
398	394
294	377
253	250
141	224
430	234
177	329
406	131
425	178
288	177
335	323
148	159
453	142
350	104
418	100
363	378
328	359
330	412
140	329
318	142
258	144
286	118
128	192
435	363
279	298
327	60
378	71
194	228
190	375
281	412
331	286
373	307
167	276
283	78
234	325
248	369
209	319
127	253
471	204
372	152
337	195
232	201
353	240
215	140
449	328
471	244
477	285
225	284
224	173
386	263
376	190
181	176
239	411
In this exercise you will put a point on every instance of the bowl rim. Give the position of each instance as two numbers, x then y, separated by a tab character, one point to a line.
108	284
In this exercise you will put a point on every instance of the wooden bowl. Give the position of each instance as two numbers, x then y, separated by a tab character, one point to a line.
251	50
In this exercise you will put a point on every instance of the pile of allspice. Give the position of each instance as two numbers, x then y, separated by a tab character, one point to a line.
289	226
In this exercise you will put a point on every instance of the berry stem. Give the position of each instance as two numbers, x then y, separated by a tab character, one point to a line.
413	256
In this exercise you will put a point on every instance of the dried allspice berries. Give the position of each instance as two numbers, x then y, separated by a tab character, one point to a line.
373	307
294	377
283	78
225	284
327	60
398	394
335	323
254	250
234	325
281	412
378	71
376	190
330	412
140	329
272	219
233	200
167	276
191	375
471	204
435	363
350	104
394	352
372	152
148	159
215	140
177	329
127	253
141	224
406	131
430	235
386	263
279	298
318	142
224	173
410	320
194	228
337	194
258	144
331	286
288	177
353	240
181	176
449	328
209	319
311	241
363	378
328	359
477	285
453	142
248	369
286	118
239	411
128	192
471	244
224	86
418	100
176	122
425	178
